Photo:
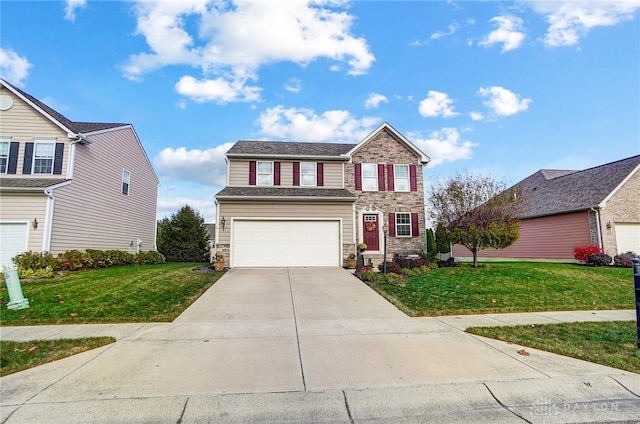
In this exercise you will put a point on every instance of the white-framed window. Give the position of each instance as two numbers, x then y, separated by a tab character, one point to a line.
126	181
369	177
264	173
401	177
43	158
4	156
308	174
403	224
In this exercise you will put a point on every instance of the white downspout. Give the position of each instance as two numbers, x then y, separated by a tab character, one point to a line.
600	244
48	224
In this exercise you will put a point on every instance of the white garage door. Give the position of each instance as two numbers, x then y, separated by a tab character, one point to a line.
13	240
285	243
628	237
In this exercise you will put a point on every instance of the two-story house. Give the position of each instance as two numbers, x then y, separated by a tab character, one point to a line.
70	185
309	204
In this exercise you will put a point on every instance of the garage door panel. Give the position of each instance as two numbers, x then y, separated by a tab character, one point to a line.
628	237
13	240
285	243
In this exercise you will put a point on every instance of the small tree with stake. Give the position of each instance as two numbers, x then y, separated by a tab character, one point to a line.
476	212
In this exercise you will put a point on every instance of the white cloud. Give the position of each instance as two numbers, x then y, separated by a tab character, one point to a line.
374	100
571	20
306	30
451	29
294	85
445	145
70	8
206	167
13	68
509	33
218	90
503	102
306	125
170	205
437	104
476	116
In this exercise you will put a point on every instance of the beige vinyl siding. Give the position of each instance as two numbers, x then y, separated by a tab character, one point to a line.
271	209
25	207
92	212
239	174
622	207
24	124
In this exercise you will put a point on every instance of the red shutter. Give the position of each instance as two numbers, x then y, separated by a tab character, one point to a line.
358	176
392	224
320	176
252	172
390	176
415	231
276	173
296	173
412	178
380	177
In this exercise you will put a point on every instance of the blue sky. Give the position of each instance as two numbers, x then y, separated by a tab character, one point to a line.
499	88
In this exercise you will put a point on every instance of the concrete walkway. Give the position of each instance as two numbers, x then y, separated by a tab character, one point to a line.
313	345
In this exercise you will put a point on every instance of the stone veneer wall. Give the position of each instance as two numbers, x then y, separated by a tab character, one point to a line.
385	148
623	207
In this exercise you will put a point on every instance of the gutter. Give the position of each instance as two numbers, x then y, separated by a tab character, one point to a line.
598	229
48	220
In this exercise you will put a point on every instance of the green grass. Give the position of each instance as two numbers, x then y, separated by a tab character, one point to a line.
512	287
606	343
147	293
18	356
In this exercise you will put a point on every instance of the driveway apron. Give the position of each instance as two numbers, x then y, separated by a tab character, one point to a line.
284	330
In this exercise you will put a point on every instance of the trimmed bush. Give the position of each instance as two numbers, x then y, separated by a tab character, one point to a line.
391	267
582	253
150	257
624	260
361	269
599	259
72	260
380	278
35	260
409	263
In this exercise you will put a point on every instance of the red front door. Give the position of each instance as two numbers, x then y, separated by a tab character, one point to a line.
370	231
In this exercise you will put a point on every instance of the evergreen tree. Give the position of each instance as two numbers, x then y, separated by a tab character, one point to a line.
431	242
183	237
442	241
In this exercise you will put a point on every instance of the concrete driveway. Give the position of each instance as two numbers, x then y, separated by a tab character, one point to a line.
318	334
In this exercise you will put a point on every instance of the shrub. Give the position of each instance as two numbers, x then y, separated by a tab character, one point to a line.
624	260
72	260
599	259
379	278
391	267
150	257
93	258
409	262
361	269
417	271
119	257
582	253
35	261
449	263
35	273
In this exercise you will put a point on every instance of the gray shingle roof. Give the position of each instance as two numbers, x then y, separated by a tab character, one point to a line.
29	183
549	192
77	127
287	193
288	148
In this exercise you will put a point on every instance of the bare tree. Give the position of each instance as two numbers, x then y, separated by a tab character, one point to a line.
476	212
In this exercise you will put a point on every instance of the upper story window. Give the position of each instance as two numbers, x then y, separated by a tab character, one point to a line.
370	177
4	156
126	181
43	158
401	177
265	173
403	224
308	175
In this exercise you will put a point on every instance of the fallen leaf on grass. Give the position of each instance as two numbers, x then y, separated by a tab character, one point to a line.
73	314
523	352
33	349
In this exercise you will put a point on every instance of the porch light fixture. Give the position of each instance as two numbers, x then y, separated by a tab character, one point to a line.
34	223
223	222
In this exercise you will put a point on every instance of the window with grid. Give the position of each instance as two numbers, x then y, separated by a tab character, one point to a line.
370	177
4	156
403	224
401	177
265	173
126	181
308	174
43	158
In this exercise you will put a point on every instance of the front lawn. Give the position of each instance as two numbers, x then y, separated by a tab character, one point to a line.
146	293
607	343
18	356
512	287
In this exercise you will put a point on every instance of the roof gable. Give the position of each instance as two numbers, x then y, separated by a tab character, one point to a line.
69	126
549	192
424	159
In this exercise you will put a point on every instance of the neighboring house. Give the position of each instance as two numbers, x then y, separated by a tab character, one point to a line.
70	185
309	204
565	209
